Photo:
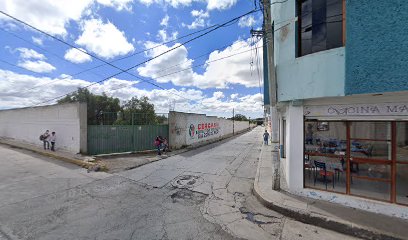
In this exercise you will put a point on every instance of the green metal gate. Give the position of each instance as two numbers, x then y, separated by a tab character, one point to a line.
104	139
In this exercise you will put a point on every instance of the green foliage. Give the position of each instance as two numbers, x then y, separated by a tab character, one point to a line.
240	117
107	110
138	111
97	104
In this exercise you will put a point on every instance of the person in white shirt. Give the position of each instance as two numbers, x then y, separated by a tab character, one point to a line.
52	138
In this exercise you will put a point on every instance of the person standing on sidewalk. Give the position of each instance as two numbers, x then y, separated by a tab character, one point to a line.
266	137
158	143
52	139
45	137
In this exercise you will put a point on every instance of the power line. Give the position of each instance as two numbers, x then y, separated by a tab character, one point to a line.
195	58
152	58
16	66
207	62
43	49
119	59
93	56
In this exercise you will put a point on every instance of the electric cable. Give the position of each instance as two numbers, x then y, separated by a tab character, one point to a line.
152	58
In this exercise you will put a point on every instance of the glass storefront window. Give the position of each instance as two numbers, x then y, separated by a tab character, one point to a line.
325	173
325	137
402	141
402	162
374	155
370	130
325	150
374	171
371	189
380	150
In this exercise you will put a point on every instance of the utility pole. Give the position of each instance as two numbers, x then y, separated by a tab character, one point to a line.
233	121
269	35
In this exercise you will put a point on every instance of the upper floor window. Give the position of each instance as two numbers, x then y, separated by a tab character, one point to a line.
320	25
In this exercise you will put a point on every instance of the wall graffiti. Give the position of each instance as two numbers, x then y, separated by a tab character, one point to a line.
204	130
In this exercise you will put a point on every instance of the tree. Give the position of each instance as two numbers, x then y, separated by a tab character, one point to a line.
101	108
239	117
138	111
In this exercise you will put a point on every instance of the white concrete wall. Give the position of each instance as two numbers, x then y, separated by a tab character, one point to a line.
294	151
204	128
27	124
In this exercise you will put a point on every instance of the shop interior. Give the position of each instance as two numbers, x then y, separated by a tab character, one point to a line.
361	158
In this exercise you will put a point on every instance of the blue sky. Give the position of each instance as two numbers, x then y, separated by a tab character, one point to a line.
113	29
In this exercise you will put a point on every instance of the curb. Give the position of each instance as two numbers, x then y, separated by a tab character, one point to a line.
50	155
319	220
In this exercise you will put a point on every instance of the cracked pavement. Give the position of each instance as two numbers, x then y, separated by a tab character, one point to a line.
205	193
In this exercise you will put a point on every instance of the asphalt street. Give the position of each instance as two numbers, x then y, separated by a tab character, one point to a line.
205	193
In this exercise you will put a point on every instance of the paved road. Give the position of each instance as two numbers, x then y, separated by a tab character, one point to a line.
201	194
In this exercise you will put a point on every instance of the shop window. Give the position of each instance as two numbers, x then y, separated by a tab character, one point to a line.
320	25
325	155
370	140
402	162
379	190
370	161
361	158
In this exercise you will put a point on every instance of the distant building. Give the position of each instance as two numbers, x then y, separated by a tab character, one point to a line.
342	89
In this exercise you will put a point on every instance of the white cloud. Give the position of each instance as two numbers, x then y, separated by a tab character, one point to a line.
247	21
33	61
218	95
37	40
48	15
201	13
217	73
220	4
231	70
187	100
164	37
165	21
76	56
234	95
26	53
103	39
38	66
211	4
160	66
199	21
119	5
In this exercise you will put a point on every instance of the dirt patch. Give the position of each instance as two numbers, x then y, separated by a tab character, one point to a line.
122	163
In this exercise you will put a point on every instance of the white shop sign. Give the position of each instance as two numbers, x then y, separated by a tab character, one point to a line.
379	109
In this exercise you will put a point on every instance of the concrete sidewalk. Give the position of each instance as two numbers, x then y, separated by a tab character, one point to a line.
77	159
324	214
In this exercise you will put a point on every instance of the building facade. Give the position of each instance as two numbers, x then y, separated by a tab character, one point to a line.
342	83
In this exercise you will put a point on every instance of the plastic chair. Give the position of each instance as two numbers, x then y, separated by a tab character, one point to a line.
323	172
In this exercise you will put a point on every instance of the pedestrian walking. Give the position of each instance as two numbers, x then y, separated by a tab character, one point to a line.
266	137
52	140
157	143
44	137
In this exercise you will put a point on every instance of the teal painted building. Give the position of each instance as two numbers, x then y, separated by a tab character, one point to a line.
376	47
342	83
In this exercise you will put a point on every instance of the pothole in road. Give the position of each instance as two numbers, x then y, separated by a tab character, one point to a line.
187	197
187	181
